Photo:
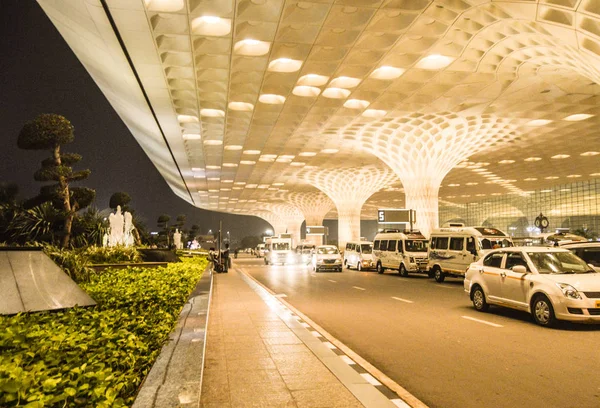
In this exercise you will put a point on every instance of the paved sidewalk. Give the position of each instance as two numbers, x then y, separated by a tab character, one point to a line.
254	359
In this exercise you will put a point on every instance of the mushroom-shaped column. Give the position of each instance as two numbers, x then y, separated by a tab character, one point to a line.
314	206
276	222
423	148
349	188
291	216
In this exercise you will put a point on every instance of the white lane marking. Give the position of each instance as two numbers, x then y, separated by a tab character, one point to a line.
347	360
305	325
316	334
445	287
399	403
281	295
358	287
482	321
402	300
370	379
331	280
330	345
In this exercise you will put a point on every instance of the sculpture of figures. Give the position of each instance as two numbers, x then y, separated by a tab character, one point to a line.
116	222
128	229
177	239
105	239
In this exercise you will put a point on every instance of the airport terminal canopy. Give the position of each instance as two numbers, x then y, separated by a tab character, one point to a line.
243	104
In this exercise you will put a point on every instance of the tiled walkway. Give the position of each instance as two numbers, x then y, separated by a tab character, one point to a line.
253	359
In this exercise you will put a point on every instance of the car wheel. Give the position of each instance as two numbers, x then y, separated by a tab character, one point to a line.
542	311
379	268
479	301
439	275
403	271
358	266
347	264
266	262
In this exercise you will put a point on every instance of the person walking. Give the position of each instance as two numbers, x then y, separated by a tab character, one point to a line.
226	260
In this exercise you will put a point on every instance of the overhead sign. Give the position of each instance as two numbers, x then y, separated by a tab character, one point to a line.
316	230
396	216
285	235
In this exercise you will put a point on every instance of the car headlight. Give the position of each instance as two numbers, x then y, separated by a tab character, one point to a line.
569	291
338	261
319	261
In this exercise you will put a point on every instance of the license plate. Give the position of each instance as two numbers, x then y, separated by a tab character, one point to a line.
597	303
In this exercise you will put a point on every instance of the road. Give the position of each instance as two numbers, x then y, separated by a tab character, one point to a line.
428	338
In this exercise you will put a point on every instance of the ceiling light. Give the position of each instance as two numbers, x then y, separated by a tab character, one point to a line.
187	118
164	6
545	191
551	178
250	186
538	122
262	186
356	104
227	181
573	175
307	154
336	93
247	162
212	113
386	72
284	65
434	61
271	99
211	26
374	113
344	82
561	156
240	106
277	184
453	185
590	154
329	151
251	151
198	176
472	184
533	159
297	164
197	169
506	161
251	48
230	165
266	159
213	167
496	194
233	147
565	189
312	80
306	91
282	159
213	142
577	117
213	179
530	179
191	136
595	174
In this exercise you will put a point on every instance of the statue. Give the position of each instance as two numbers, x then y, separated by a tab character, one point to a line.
121	229
105	239
177	239
128	239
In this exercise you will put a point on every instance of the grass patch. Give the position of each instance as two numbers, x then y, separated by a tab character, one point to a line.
94	357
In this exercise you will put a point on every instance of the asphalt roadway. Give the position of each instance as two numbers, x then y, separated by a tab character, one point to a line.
428	338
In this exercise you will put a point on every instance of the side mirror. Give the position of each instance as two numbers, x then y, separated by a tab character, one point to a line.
519	269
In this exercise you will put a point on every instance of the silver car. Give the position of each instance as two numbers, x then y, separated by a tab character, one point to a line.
550	283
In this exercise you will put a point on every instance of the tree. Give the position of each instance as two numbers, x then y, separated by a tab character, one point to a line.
120	198
163	223
250	242
50	132
194	229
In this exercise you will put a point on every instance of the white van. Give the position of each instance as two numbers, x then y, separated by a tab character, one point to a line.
260	250
403	251
279	251
359	255
452	250
304	253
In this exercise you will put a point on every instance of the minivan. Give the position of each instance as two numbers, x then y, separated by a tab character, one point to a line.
403	251
452	250
359	255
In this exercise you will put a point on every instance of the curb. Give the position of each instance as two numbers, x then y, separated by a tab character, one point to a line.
176	376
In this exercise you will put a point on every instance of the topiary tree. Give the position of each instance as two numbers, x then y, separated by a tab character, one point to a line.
163	223
120	198
49	132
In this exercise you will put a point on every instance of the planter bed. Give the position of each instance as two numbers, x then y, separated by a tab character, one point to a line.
96	356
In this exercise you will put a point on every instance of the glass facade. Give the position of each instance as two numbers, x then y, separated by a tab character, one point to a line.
575	206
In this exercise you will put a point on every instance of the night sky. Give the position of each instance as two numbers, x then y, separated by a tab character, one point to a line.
40	74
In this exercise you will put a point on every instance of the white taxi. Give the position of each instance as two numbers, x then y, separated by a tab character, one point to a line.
327	258
550	283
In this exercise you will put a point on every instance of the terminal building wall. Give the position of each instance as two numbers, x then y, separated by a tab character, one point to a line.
575	206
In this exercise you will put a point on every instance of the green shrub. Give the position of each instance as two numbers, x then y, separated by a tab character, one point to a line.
73	262
112	255
94	357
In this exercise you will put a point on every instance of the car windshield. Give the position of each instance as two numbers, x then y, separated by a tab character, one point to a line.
493	243
366	248
307	250
280	246
416	245
328	250
558	262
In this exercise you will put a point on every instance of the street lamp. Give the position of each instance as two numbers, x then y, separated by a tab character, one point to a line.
269	232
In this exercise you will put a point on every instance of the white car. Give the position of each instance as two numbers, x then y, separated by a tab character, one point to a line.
327	257
550	283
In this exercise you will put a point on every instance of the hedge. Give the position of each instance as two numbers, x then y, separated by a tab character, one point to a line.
94	357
